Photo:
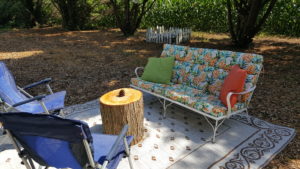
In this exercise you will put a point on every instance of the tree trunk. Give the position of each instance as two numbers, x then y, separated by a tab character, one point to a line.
120	107
129	14
245	19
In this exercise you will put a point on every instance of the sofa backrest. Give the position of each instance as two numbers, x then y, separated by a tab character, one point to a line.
206	69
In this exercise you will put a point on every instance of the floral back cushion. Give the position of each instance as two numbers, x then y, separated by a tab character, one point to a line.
181	71
203	56
206	69
179	52
252	63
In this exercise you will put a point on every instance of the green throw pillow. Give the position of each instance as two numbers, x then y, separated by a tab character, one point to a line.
159	70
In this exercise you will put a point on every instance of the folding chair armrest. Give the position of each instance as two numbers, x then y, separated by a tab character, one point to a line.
136	71
38	98
232	93
45	81
114	148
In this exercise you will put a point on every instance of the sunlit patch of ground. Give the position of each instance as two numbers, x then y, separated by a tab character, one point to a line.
19	55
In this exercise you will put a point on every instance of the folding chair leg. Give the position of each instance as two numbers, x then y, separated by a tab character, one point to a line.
104	165
49	88
15	144
130	162
31	163
26	163
44	107
128	153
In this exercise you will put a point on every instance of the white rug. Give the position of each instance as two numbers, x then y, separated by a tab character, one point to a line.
182	140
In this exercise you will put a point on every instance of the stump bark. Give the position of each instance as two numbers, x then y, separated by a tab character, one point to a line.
120	107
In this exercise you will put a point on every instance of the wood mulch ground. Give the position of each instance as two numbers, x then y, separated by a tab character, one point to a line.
89	63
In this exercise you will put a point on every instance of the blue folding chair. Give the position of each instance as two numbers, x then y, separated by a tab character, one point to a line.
14	98
52	141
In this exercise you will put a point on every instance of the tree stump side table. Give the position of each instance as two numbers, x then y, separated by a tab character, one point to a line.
120	107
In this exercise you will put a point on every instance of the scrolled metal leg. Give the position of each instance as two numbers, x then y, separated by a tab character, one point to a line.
247	113
165	106
214	127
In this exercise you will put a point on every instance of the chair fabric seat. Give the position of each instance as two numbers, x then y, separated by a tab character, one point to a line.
102	145
53	102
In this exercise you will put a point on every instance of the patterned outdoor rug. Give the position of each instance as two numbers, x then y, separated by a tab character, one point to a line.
182	140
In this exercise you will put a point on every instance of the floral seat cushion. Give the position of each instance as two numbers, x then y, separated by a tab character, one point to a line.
150	86
199	100
212	105
182	93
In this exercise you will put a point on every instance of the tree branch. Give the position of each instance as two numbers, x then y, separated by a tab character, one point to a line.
265	16
229	17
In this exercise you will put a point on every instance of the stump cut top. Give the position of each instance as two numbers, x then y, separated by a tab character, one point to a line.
116	98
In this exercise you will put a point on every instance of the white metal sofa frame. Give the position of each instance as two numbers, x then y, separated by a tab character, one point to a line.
218	121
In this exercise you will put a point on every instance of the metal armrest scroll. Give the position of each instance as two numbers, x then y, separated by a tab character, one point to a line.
136	71
38	98
232	93
45	81
114	148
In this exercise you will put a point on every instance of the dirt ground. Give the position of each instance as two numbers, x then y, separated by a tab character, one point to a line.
89	63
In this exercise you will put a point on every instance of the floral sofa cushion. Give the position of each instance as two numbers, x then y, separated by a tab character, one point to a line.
180	72
212	105
203	56
179	52
198	75
199	100
216	81
150	86
182	93
252	63
192	97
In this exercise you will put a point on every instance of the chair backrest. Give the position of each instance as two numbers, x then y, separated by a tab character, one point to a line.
206	69
50	140
9	92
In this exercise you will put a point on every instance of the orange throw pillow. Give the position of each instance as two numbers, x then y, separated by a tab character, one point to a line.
234	82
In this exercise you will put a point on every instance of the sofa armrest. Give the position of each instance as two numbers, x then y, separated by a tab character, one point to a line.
232	93
136	71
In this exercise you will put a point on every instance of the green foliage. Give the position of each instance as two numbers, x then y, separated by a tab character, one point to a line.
201	15
101	15
12	13
211	15
23	13
204	15
284	19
